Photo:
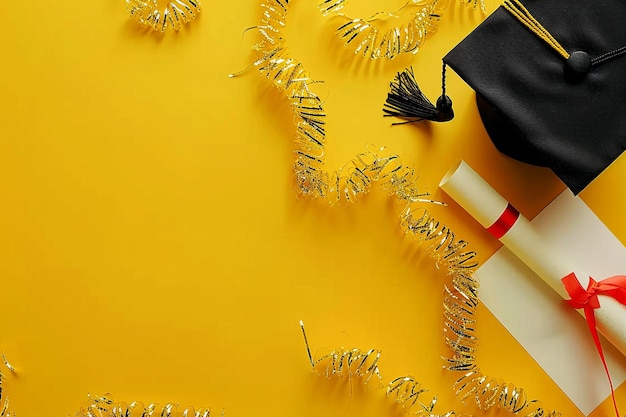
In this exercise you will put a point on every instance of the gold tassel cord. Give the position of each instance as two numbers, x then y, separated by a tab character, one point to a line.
348	185
521	13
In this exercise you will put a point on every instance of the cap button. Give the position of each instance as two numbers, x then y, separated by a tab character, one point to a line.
577	65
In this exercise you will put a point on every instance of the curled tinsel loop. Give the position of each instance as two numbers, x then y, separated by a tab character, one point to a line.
486	393
175	14
460	302
349	363
5	411
346	363
439	240
374	42
104	406
334	6
406	391
331	6
377	41
7	364
476	4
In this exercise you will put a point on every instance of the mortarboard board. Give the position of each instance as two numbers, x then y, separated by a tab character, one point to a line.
550	82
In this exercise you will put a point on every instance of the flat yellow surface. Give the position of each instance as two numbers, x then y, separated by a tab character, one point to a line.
153	245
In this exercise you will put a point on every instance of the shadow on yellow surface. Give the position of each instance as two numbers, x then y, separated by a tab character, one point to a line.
153	245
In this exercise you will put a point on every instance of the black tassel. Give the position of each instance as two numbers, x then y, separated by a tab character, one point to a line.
407	101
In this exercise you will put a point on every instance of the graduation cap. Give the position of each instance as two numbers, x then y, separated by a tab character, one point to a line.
550	82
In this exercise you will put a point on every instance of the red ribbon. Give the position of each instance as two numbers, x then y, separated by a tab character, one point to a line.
614	287
504	223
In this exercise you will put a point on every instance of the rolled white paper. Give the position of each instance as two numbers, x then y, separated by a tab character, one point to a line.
484	203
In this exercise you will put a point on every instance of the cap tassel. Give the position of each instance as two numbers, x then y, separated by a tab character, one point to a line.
407	101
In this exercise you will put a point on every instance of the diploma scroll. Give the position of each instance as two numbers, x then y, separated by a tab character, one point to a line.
494	213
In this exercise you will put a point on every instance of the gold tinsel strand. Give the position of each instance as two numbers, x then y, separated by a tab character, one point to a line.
5	411
486	393
6	363
104	406
348	363
406	392
355	179
480	4
175	14
333	6
372	41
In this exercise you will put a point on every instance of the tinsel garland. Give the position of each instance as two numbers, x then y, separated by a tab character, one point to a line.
400	180
5	411
105	406
373	41
174	15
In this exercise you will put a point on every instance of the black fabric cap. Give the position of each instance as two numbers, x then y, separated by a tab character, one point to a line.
539	107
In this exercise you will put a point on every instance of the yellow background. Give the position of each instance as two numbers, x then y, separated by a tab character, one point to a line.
152	243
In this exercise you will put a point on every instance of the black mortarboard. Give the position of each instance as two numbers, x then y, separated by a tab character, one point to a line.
550	81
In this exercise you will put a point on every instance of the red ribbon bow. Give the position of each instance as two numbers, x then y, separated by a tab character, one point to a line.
587	299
